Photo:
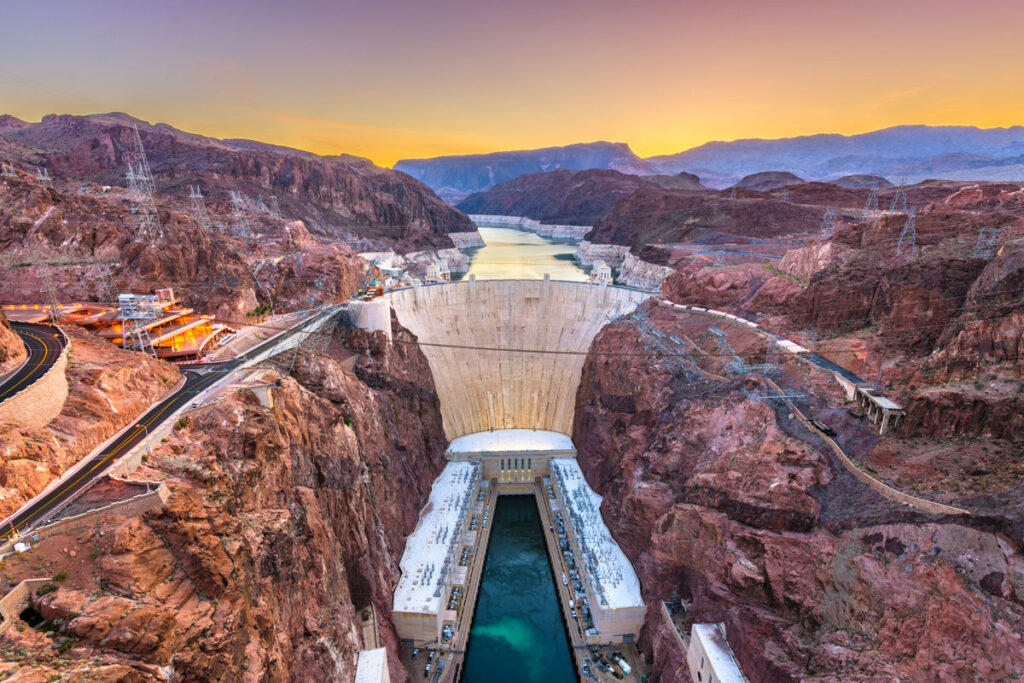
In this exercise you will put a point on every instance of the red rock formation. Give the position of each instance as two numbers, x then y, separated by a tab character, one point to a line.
715	497
12	349
280	525
332	193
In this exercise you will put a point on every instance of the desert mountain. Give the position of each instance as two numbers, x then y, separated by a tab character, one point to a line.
565	197
456	177
914	152
339	197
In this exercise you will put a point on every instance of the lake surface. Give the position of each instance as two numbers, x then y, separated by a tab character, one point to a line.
520	255
518	634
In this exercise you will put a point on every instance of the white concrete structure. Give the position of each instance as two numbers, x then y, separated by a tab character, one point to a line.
508	354
438	271
709	658
564	232
612	587
372	666
511	440
429	560
601	274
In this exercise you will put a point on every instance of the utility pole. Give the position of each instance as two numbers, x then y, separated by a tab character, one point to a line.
907	244
986	246
197	207
141	187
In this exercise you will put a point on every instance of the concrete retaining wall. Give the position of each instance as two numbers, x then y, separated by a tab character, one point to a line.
131	507
38	404
465	240
12	604
508	354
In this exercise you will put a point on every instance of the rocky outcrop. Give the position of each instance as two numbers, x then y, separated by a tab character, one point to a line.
280	525
12	349
714	498
335	195
766	181
456	177
568	197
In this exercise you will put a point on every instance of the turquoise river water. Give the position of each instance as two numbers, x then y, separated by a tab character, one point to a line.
521	255
518	634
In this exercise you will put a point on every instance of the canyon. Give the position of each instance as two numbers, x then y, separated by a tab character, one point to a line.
287	500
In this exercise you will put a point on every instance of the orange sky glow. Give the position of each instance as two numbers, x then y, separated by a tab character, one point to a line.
396	78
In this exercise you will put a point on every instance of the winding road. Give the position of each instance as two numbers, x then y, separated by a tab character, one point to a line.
197	379
44	344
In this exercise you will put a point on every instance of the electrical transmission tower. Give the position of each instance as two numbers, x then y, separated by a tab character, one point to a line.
260	206
828	222
8	171
899	200
273	206
239	216
871	205
732	194
136	311
141	187
671	348
310	342
51	294
43	176
737	365
785	194
907	244
197	207
986	247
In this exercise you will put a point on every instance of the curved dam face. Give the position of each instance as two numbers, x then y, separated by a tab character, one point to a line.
528	341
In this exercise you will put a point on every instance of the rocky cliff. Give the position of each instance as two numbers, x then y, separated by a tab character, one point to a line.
456	177
567	197
282	525
718	499
338	197
12	349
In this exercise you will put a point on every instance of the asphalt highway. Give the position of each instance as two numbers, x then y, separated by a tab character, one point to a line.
44	344
197	378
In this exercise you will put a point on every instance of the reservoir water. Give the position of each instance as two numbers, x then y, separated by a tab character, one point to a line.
518	634
521	255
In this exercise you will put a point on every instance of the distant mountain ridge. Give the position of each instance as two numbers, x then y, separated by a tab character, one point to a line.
914	152
456	177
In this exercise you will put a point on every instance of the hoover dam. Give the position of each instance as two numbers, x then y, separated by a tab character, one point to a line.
506	357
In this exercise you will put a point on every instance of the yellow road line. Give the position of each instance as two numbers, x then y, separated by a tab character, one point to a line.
46	353
127	436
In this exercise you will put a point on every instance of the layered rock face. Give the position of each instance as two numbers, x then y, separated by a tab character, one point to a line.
281	524
89	242
718	499
567	197
456	177
12	349
336	195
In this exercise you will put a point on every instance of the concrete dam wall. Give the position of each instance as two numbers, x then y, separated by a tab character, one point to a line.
529	340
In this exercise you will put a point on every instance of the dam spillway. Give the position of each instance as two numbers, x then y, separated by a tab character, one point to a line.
508	354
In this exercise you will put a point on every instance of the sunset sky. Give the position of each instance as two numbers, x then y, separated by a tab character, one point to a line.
406	78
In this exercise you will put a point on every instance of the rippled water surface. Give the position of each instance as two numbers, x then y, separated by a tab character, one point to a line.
517	632
517	254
